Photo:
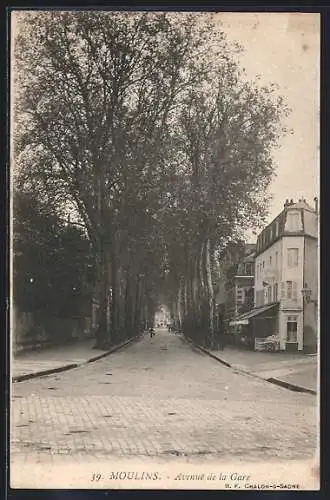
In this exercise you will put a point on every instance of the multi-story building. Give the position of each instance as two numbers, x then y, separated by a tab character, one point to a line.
235	290
286	280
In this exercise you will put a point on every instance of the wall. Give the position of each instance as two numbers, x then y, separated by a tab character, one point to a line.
310	223
294	274
30	331
280	274
244	284
270	272
293	306
283	318
311	279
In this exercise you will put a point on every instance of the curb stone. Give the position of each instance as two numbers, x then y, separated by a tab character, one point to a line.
275	381
291	387
50	371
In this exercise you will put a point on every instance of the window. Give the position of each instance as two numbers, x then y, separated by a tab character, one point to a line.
240	295
248	269
277	228
270	298
276	260
282	290
263	264
270	261
275	292
249	296
291	289
291	329
292	257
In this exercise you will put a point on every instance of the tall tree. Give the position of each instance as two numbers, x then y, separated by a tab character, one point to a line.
96	92
226	136
144	123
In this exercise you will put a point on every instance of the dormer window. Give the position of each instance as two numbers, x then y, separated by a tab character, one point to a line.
277	228
293	221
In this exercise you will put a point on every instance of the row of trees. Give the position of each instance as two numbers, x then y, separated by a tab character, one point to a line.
144	127
52	264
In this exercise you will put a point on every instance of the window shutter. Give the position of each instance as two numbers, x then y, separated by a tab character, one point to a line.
282	290
269	294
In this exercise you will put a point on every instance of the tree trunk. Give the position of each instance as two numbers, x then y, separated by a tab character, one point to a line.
133	297
185	302
202	294
136	327
210	291
179	309
103	337
195	301
114	295
128	309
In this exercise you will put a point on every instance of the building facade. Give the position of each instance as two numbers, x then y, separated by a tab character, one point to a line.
236	289
286	273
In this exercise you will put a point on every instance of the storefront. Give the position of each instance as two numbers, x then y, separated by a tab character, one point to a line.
258	324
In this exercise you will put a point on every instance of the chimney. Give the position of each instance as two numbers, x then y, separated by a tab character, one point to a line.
286	204
316	204
291	202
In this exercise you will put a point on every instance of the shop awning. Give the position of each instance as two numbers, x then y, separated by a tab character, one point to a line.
243	319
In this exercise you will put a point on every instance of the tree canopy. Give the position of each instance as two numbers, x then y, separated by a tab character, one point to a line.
147	127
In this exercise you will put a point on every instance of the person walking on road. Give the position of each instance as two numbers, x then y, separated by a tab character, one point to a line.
152	332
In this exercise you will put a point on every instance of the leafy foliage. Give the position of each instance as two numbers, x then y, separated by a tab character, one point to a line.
145	126
50	261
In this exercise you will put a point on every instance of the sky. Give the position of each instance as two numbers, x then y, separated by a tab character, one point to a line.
284	48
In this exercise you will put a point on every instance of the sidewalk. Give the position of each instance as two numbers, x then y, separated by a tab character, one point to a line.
294	371
40	362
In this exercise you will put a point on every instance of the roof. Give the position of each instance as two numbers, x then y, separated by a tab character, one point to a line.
249	258
242	319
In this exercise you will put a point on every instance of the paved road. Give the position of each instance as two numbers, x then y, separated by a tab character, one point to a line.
159	397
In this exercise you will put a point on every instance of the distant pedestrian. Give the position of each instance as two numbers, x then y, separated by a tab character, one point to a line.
152	332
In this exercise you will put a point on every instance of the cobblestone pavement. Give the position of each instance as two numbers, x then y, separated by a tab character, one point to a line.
159	398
